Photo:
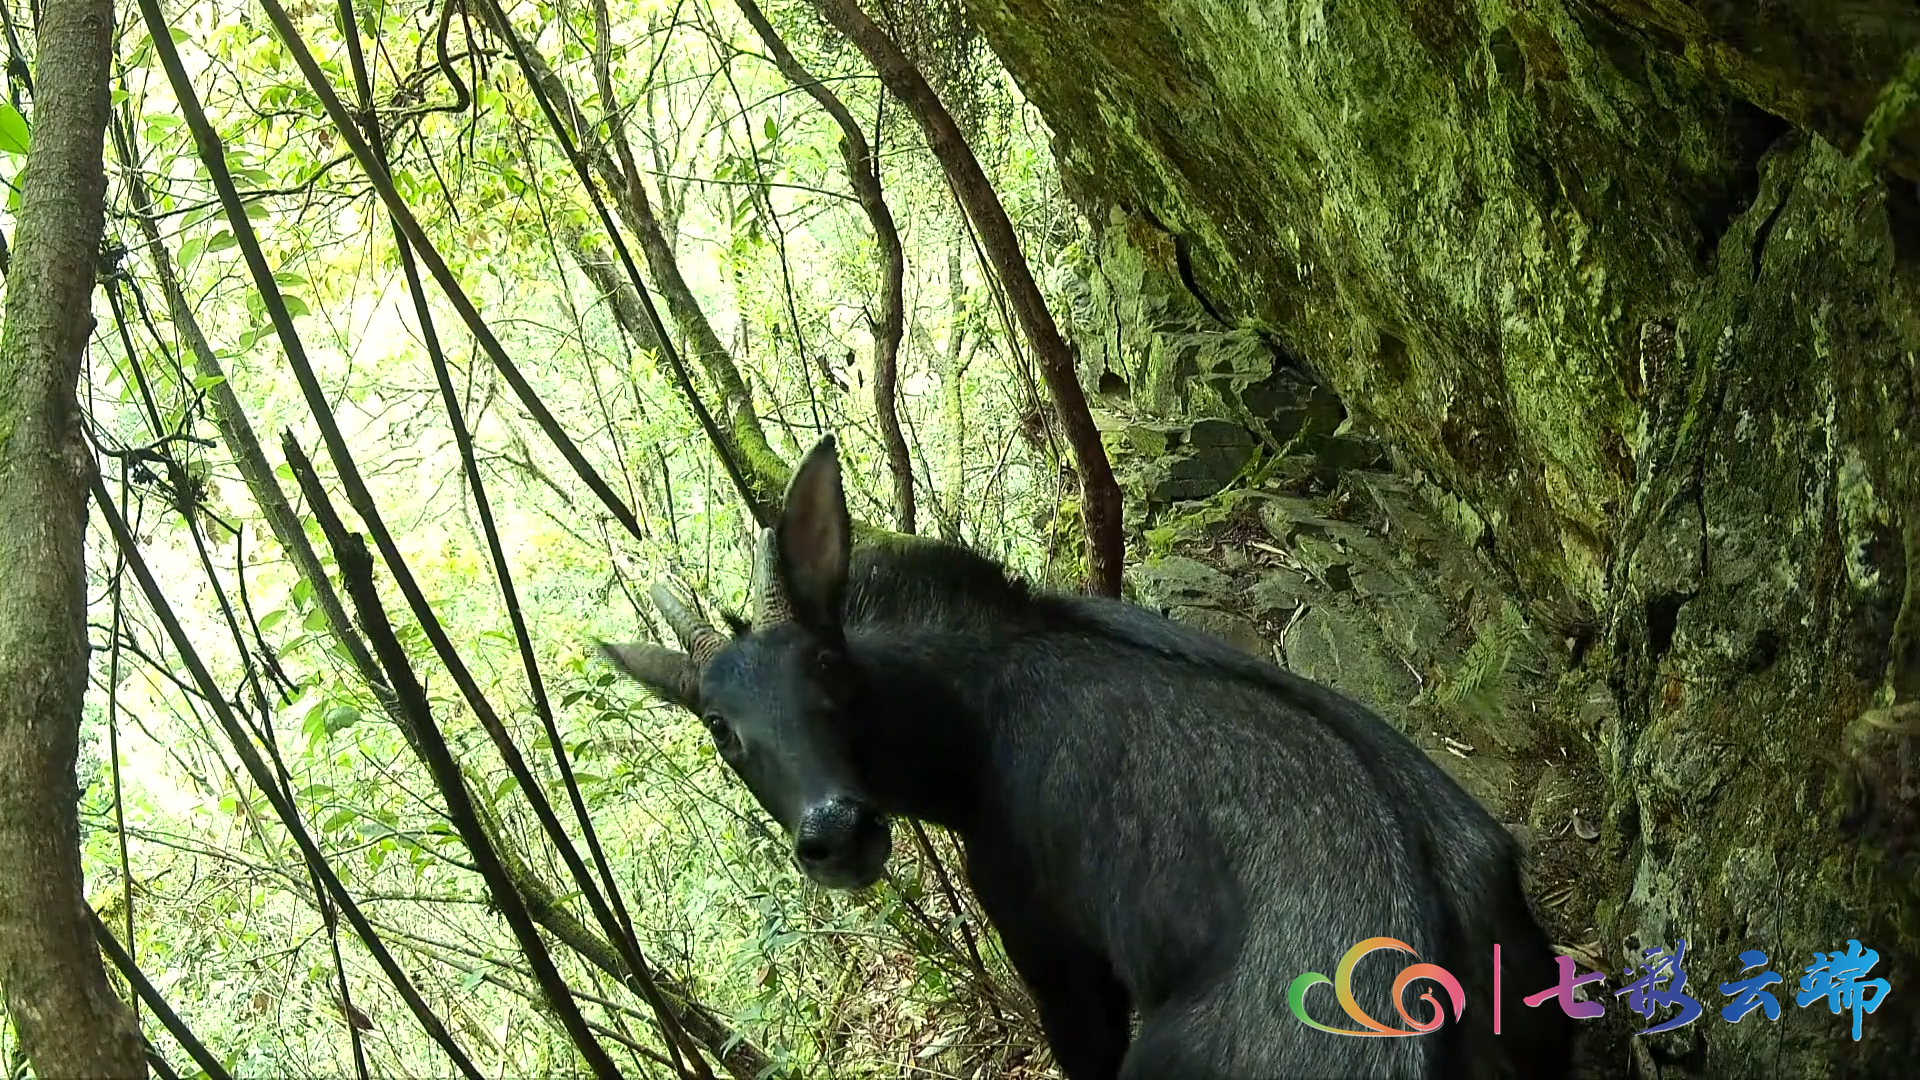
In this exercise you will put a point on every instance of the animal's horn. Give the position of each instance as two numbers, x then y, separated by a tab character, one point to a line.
770	606
696	636
671	674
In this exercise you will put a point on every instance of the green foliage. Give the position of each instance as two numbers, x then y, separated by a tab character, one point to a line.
1484	678
745	175
13	130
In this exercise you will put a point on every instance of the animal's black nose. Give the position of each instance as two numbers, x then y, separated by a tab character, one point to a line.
832	830
813	848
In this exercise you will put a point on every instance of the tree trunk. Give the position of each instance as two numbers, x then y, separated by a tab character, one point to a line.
69	1020
952	398
1099	494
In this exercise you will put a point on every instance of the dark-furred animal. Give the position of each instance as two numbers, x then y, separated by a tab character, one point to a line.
1153	821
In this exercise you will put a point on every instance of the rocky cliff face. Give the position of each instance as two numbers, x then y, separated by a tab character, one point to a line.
1630	290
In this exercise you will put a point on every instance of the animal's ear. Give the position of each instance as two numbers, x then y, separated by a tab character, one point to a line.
672	676
815	537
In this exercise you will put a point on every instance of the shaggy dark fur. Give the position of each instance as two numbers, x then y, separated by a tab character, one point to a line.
1153	821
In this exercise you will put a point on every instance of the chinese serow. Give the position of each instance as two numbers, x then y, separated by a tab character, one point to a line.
1153	821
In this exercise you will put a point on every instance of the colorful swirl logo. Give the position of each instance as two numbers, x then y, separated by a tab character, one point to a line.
1343	992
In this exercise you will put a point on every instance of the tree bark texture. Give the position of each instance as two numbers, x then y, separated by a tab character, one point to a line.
1099	493
69	1020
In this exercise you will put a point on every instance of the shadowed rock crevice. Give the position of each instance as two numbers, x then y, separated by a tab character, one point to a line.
1618	298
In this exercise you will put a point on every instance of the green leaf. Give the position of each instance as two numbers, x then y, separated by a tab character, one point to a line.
338	821
208	382
771	129
295	305
221	241
13	130
341	717
272	619
190	252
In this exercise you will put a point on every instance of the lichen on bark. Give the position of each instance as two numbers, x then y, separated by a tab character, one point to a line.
69	1021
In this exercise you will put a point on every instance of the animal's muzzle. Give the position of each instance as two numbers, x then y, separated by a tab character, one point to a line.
842	843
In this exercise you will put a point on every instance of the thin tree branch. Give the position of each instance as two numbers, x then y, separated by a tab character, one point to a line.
863	172
176	1027
1099	492
257	769
356	565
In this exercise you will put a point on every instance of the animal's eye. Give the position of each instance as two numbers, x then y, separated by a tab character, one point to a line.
722	732
830	665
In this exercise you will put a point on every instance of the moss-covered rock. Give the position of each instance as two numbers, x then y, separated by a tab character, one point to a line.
1630	288
1763	601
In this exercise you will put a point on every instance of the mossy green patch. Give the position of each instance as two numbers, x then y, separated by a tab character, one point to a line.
1650	347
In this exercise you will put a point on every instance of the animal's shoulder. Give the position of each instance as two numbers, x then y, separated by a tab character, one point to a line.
1395	760
929	581
1133	627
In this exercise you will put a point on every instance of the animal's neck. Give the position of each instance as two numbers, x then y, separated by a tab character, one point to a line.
925	735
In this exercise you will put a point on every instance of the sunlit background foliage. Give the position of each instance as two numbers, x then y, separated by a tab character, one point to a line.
744	173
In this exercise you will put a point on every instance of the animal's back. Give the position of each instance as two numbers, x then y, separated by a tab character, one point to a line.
1237	826
1215	849
1217	826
